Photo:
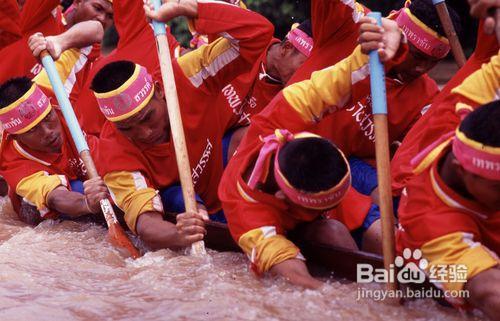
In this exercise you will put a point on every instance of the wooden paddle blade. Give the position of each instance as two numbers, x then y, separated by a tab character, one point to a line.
120	239
115	232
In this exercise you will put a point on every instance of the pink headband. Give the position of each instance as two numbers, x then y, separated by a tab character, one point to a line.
421	36
26	112
129	98
301	41
320	200
477	158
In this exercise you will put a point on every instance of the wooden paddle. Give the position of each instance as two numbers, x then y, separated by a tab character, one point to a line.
456	47
174	114
116	233
379	106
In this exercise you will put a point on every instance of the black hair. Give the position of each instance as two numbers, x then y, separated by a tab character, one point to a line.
13	89
306	27
483	124
312	164
112	76
425	11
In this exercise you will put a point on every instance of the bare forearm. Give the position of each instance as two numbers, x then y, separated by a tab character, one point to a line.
70	203
295	271
81	35
484	290
156	232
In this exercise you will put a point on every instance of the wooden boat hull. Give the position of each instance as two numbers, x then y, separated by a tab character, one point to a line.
323	259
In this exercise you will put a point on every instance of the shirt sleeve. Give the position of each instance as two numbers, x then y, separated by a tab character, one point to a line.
329	89
482	86
35	12
130	21
459	250
257	228
132	193
68	66
333	18
35	189
244	37
9	22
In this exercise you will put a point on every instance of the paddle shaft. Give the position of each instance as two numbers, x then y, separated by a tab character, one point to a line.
456	47
115	231
175	119
379	106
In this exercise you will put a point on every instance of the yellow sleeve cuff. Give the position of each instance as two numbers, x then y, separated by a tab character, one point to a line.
68	65
206	61
35	189
455	258
265	248
132	195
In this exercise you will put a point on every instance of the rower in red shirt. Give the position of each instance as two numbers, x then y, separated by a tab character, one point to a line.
46	18
249	93
268	189
136	147
409	90
477	88
38	158
136	43
440	117
450	212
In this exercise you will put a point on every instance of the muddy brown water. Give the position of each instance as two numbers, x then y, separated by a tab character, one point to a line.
68	271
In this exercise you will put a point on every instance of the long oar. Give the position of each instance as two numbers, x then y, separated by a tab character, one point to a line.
456	47
174	114
115	231
379	106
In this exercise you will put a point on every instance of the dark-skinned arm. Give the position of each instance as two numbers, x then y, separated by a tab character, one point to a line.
75	204
158	233
484	290
295	271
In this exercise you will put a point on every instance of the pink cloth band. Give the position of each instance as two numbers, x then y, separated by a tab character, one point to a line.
129	98
301	41
320	200
475	159
421	36
26	112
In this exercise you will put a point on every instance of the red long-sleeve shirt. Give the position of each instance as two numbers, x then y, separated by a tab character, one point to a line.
133	172
440	118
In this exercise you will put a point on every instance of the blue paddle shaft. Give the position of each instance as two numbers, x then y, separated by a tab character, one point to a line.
435	2
159	27
64	104
377	76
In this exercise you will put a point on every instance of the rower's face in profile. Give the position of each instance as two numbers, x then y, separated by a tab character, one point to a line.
45	137
485	191
291	60
149	126
98	10
415	65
